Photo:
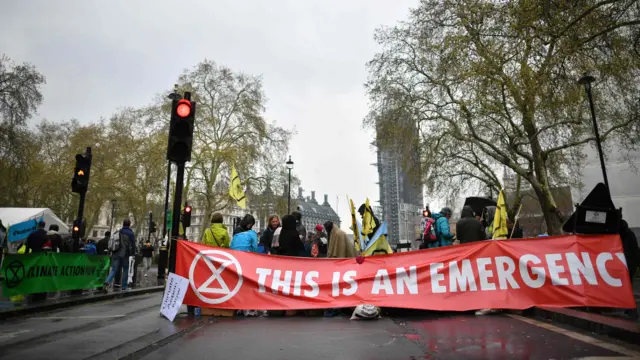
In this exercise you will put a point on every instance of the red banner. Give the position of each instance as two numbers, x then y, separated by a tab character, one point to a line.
562	271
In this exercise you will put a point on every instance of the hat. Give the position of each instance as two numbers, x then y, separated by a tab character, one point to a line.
319	228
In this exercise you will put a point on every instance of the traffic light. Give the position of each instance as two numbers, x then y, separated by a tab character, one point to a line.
186	216
181	129
152	228
78	228
80	181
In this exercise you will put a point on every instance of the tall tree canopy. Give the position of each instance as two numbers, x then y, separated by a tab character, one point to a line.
492	84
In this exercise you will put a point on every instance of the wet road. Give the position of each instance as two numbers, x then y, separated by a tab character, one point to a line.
132	329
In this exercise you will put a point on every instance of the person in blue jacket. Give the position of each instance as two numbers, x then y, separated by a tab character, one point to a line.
244	238
444	237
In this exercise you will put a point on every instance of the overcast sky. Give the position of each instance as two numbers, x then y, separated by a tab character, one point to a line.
103	55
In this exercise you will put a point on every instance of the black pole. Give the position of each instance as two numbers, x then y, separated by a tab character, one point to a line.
289	195
587	87
175	223
163	254
149	228
113	214
166	200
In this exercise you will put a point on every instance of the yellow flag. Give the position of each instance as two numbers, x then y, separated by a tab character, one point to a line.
500	230
368	224
235	189
354	226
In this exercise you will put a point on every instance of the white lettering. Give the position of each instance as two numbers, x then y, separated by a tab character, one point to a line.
297	283
382	282
601	261
335	284
622	258
485	274
584	267
537	270
555	269
409	280
262	278
459	278
284	284
436	278
349	278
310	280
505	274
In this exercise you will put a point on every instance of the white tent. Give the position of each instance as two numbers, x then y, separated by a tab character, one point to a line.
11	216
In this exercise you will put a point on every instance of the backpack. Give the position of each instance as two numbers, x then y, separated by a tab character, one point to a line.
48	244
429	235
114	242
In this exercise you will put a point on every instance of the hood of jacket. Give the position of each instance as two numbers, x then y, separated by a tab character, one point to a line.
52	232
128	231
467	212
218	230
288	223
437	216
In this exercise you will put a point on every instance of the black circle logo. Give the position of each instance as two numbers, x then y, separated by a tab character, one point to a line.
14	273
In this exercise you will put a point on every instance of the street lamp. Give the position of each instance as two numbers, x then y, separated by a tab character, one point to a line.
289	167
113	210
586	80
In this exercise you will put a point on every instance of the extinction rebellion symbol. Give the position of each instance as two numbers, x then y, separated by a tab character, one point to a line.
14	273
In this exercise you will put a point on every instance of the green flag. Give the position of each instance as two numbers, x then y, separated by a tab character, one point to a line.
50	272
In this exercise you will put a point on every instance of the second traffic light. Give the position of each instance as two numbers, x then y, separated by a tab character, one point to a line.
186	216
181	126
80	181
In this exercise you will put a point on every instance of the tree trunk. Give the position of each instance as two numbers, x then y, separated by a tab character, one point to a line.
549	211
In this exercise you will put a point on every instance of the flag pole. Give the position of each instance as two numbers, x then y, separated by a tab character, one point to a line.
515	221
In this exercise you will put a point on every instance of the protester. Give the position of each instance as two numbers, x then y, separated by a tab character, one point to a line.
122	246
289	238
444	236
267	236
147	256
630	248
515	231
217	234
469	229
339	247
319	244
339	244
54	239
302	231
37	239
245	239
89	248
103	244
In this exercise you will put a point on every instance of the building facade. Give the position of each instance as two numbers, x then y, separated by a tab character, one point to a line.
314	213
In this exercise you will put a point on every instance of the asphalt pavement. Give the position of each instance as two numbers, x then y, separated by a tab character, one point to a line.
132	328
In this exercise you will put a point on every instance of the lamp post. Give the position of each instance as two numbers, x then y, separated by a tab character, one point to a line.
586	80
289	167
113	211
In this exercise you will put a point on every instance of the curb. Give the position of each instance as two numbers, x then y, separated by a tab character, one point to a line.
620	329
28	310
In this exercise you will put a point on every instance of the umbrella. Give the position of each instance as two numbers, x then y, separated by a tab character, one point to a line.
479	203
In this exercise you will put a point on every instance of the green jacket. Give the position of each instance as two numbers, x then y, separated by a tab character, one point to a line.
217	235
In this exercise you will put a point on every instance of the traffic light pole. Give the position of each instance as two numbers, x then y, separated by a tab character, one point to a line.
175	223
163	254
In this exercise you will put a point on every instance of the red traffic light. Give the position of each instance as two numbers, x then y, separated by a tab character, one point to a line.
184	108
425	213
76	229
187	209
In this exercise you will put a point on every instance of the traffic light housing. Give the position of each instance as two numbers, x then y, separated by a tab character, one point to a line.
81	172
152	228
78	228
186	216
181	129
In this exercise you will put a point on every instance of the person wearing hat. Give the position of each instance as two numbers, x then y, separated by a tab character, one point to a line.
444	237
319	245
